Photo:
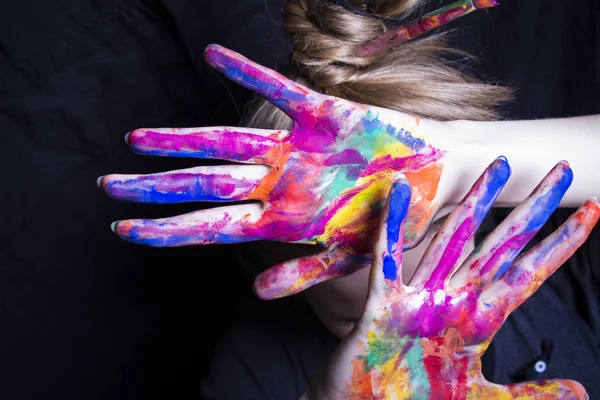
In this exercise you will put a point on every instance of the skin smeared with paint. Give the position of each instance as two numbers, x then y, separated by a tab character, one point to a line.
429	22
424	340
324	182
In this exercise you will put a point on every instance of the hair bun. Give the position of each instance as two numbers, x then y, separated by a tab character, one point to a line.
415	77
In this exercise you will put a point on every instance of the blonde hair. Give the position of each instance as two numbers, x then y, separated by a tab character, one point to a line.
414	78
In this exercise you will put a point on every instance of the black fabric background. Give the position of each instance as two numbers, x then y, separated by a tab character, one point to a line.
84	315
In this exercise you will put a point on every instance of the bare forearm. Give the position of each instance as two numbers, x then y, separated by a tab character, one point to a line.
532	147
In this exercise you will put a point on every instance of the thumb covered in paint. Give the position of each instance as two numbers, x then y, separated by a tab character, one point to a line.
386	269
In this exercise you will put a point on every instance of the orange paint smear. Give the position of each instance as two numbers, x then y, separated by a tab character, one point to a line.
424	182
361	387
277	157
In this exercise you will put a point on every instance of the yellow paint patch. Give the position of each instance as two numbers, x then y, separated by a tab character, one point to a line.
383	147
388	381
375	189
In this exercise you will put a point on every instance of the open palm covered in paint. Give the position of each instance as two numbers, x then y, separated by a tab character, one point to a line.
323	182
425	339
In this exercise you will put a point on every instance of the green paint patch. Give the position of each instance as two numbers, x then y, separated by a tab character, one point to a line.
340	183
417	373
379	351
383	140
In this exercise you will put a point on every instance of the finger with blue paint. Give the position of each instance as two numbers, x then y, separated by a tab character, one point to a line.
224	183
386	270
448	246
531	269
279	90
417	341
500	248
229	224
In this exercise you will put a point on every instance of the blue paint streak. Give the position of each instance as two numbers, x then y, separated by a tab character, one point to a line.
183	240
272	89
403	136
504	267
541	210
184	153
399	202
390	269
151	195
498	178
406	138
545	205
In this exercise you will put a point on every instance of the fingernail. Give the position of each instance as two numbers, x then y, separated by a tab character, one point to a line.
99	181
127	137
502	167
565	162
113	226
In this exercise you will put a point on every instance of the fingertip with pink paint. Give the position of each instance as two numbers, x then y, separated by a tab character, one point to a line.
256	289
594	201
211	51
212	47
264	288
502	168
565	163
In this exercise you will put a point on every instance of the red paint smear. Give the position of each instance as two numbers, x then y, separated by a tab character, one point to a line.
446	368
434	366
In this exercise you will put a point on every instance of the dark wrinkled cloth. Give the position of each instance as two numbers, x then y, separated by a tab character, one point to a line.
84	315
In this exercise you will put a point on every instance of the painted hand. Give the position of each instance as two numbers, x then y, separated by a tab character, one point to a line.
425	340
323	182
